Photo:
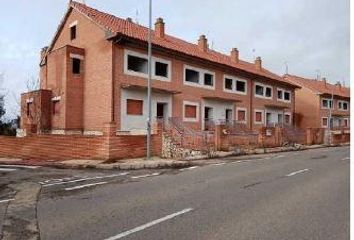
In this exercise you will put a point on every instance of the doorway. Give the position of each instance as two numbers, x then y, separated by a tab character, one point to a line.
208	118
161	111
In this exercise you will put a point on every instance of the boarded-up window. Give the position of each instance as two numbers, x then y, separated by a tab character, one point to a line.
324	122
190	111
287	118
259	116
134	107
241	115
56	107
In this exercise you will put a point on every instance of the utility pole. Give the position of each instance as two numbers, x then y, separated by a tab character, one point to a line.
148	140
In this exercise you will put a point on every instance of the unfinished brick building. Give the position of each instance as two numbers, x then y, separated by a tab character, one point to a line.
95	72
320	104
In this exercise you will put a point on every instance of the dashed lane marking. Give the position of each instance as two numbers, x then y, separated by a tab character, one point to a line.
218	164
145	175
297	172
150	224
18	166
7	169
84	186
346	158
6	200
85	179
188	168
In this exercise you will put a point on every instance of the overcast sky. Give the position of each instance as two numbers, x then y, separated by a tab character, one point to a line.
309	35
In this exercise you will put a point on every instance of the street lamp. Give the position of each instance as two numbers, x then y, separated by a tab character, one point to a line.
148	140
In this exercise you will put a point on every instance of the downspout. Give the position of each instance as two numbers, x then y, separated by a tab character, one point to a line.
251	105
113	85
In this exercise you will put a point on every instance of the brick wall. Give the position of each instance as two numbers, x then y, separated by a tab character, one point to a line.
64	147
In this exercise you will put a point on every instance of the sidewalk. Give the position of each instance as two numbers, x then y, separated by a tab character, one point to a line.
156	162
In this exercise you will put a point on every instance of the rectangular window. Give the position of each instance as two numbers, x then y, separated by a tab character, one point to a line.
268	92
240	86
56	107
73	32
280	94
192	76
259	90
241	115
324	122
28	109
228	83
345	106
287	118
327	103
76	65
190	111
208	79
161	69
258	117
345	122
287	96
137	64
134	107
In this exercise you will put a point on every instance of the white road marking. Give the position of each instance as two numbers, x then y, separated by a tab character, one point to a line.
278	156
218	164
346	158
86	179
6	200
150	224
84	186
146	175
19	166
188	168
7	169
297	172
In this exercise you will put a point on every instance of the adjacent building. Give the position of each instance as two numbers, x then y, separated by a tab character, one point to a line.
319	104
95	72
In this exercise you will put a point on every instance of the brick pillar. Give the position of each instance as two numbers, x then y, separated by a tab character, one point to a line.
308	136
110	129
278	134
217	137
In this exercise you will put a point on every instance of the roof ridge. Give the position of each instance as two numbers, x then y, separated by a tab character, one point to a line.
118	25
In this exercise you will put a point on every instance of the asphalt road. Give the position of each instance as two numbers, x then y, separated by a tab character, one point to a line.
294	195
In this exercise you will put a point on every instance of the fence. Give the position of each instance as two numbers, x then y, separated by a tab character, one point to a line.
64	147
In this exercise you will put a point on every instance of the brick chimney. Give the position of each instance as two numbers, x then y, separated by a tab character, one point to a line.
258	63
339	86
203	43
324	81
43	52
234	55
160	28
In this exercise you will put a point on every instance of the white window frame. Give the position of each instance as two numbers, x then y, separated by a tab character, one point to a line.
342	101
185	119
234	84
257	111
77	56
322	122
242	109
287	114
57	98
329	100
201	83
264	92
283	95
153	62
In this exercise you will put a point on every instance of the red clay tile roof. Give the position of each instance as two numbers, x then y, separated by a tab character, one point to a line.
120	26
318	86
